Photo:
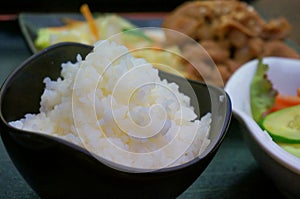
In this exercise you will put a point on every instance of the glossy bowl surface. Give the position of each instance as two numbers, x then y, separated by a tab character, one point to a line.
282	167
55	168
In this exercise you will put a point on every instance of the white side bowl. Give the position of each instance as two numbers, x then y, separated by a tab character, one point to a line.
282	167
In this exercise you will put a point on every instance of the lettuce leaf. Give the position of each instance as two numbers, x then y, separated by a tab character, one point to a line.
262	93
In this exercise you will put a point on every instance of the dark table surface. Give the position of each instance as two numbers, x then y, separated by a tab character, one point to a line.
233	173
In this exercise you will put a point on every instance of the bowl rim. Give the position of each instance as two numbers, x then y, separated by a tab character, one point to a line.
262	138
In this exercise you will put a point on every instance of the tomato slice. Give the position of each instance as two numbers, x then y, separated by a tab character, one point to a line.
285	101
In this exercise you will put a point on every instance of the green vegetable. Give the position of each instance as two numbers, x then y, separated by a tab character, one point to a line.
284	125
262	94
137	33
79	31
291	148
43	38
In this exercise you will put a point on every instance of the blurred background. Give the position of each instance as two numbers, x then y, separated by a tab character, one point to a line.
97	5
267	8
14	6
275	8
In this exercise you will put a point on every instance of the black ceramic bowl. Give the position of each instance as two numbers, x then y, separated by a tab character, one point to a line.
55	168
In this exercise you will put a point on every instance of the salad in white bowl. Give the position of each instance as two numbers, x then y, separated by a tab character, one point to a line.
278	77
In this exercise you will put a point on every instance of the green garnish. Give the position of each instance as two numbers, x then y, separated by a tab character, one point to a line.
137	33
262	93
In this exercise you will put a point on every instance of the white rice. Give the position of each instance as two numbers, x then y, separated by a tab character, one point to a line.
116	106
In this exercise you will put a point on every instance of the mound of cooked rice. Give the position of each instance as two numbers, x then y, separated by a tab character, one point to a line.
117	107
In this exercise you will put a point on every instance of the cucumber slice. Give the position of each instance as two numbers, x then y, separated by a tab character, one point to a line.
284	125
291	148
